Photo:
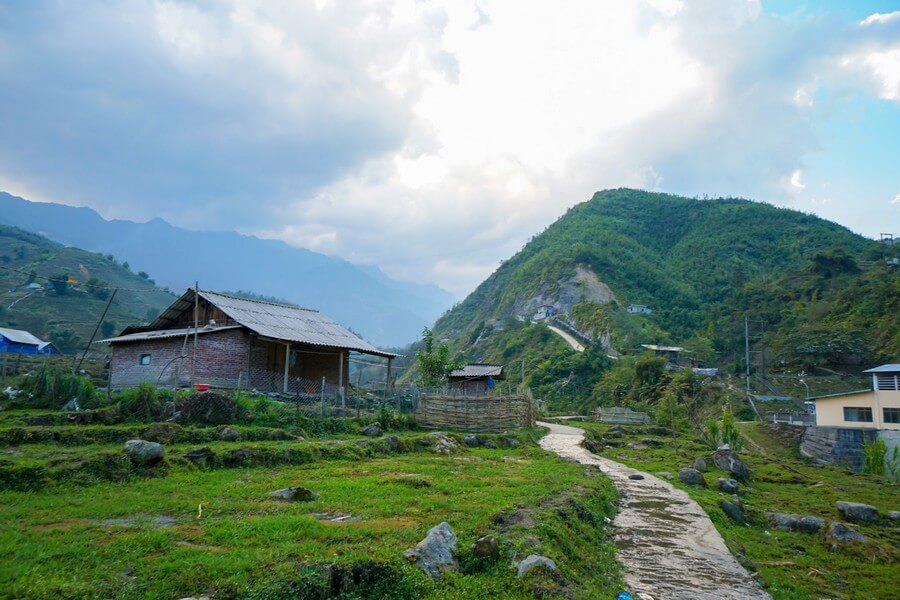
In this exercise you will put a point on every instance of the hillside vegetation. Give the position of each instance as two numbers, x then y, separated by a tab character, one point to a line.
828	297
66	313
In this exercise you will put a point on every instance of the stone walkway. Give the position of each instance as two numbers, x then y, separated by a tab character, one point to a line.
666	542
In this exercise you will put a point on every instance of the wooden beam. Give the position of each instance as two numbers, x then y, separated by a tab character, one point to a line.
341	378
287	365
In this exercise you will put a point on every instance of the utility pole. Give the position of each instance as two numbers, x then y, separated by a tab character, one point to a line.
747	350
196	326
77	366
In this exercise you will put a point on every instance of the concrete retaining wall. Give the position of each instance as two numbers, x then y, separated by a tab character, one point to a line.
836	445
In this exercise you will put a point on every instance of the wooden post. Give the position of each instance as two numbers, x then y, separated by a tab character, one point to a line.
196	320
341	381
287	366
323	397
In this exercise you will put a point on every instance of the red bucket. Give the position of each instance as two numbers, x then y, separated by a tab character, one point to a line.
201	387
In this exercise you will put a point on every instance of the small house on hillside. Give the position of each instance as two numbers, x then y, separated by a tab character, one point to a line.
877	408
670	353
476	379
18	341
544	311
240	343
639	309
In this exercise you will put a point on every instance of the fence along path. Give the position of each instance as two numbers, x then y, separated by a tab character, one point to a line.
484	414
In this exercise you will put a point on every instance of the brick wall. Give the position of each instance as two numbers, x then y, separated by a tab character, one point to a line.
225	359
221	357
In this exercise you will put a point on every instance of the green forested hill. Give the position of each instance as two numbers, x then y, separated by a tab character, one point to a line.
701	265
66	314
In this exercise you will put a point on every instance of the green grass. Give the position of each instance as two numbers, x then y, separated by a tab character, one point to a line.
54	542
790	565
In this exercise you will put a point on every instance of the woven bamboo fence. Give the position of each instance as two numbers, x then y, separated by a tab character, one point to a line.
482	414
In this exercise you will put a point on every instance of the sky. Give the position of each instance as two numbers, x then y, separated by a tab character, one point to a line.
432	139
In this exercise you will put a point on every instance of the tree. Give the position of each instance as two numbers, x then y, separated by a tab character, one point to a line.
434	361
66	340
108	328
126	266
60	283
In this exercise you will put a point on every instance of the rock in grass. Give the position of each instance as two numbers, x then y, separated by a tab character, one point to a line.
229	434
294	494
536	561
143	453
700	464
734	510
810	524
839	534
653	442
784	521
728	460
373	430
486	548
691	477
636	476
434	554
443	444
665	475
729	486
471	441
894	515
857	512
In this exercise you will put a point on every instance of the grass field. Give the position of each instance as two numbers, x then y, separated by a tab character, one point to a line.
790	565
145	536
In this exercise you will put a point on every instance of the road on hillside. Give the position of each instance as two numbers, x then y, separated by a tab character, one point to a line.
577	347
665	541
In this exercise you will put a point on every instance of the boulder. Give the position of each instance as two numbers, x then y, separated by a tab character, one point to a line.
443	444
810	524
294	494
393	443
471	441
201	457
729	486
636	476
784	521
373	430
894	515
143	453
700	464
734	510
665	475
691	477
434	554
229	434
839	533
208	407
858	513
614	429
728	460
653	442
486	548
536	561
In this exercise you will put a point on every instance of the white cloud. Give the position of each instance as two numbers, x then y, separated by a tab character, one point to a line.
430	138
896	199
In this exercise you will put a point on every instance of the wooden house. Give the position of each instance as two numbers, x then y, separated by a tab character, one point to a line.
476	379
226	341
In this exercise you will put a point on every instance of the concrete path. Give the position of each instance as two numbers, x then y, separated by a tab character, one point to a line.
666	542
576	345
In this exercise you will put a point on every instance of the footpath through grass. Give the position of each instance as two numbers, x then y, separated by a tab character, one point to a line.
180	530
790	565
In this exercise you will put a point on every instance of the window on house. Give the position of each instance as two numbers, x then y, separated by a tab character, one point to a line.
892	415
887	382
857	414
144	360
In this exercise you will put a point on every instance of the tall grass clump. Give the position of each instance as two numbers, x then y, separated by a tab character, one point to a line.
53	387
141	403
716	435
877	460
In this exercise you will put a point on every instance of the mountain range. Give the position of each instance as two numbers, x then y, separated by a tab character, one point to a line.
386	311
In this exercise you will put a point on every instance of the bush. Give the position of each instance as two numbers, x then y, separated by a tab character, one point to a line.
142	404
53	387
211	408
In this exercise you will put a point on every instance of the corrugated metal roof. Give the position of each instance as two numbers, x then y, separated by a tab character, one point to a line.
272	320
478	370
663	348
892	368
20	337
162	334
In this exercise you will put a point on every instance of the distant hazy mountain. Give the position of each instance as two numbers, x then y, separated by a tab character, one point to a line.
384	310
